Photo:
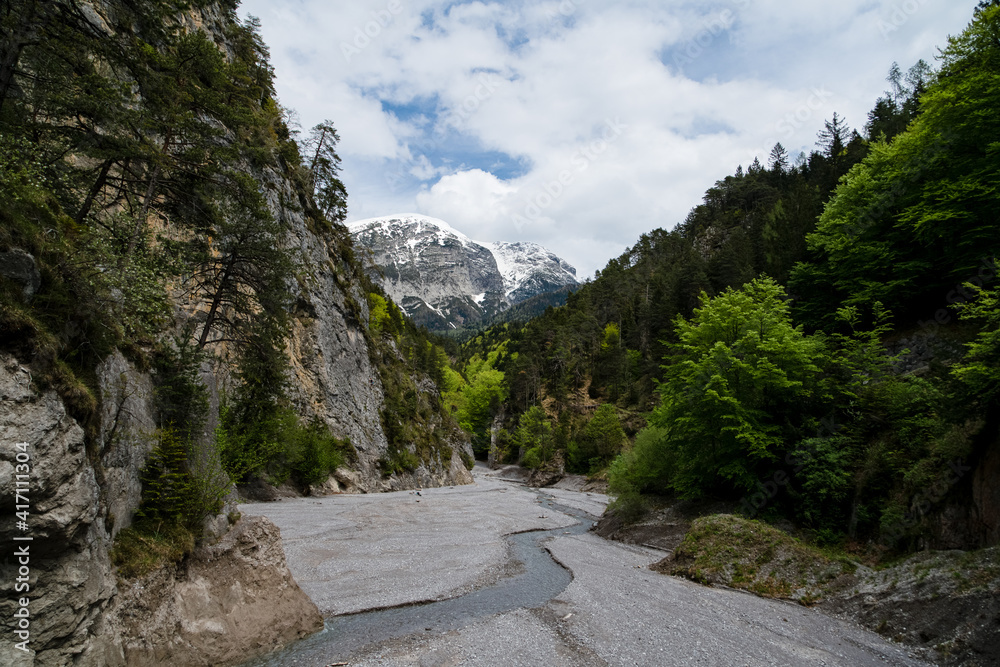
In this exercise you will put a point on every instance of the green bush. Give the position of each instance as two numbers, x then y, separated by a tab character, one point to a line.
398	460
532	458
245	448
602	439
979	371
645	468
171	492
534	435
181	397
312	454
279	447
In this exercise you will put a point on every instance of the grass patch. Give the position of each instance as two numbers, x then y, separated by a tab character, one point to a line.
754	556
467	459
980	570
146	547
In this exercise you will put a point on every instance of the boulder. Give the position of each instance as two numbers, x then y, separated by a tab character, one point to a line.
21	267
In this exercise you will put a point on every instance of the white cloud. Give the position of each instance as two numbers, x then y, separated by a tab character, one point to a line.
475	201
701	88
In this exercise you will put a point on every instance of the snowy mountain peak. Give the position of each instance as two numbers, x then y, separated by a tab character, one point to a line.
444	279
522	264
409	224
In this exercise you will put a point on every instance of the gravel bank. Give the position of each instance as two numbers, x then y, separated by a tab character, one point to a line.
352	553
360	552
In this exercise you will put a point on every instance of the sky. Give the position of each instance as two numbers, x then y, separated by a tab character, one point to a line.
579	124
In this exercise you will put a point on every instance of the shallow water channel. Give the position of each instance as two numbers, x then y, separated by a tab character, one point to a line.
541	580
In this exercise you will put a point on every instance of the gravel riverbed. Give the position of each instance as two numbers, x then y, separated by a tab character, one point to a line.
355	553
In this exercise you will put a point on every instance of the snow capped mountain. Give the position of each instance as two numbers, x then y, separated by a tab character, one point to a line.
528	269
443	279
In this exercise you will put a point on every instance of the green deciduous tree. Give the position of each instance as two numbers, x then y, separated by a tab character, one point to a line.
534	437
601	441
980	369
740	379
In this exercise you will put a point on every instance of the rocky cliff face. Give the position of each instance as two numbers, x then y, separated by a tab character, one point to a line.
442	279
66	569
335	377
73	459
228	602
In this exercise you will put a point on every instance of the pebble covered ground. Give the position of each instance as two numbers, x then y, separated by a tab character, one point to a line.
361	552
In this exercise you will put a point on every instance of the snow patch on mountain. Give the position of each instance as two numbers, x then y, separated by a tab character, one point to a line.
443	278
523	264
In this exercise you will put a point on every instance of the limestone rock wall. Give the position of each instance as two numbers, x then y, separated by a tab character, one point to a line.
229	601
126	427
69	579
334	376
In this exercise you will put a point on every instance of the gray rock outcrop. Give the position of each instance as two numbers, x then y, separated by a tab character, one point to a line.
334	376
231	600
21	267
69	580
228	602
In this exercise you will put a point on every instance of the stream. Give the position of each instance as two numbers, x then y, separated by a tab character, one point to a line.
541	580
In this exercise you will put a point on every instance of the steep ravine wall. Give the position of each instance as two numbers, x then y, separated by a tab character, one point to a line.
334	376
220	606
233	597
65	564
228	601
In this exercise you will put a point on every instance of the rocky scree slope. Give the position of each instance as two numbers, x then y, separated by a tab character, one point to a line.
444	280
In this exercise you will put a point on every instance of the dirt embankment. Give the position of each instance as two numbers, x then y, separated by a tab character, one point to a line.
945	604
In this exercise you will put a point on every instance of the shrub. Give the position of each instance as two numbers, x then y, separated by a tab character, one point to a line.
280	447
601	441
645	468
532	458
534	434
148	546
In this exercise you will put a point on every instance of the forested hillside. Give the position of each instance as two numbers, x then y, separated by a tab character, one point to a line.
818	339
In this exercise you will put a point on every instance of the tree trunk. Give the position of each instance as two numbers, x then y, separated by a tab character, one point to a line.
94	191
216	301
852	523
15	41
147	201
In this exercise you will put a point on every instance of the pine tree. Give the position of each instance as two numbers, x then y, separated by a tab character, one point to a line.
243	272
833	137
778	160
324	166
